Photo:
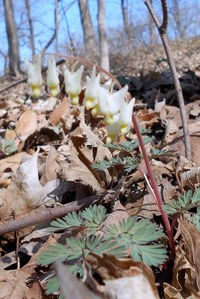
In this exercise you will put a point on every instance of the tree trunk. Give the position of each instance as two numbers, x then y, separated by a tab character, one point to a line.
152	36
177	19
103	45
14	59
90	42
125	20
30	27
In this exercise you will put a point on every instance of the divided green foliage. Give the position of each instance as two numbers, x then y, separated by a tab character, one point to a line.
156	153
128	146
139	237
129	162
184	204
7	146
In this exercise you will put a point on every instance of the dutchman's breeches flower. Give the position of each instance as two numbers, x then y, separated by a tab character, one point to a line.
91	92
113	130
111	103
34	76
52	78
73	84
125	118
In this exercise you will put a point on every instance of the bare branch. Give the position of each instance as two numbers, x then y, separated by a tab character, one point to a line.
162	31
49	214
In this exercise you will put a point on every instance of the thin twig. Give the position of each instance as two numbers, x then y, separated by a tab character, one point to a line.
154	186
162	31
43	216
88	63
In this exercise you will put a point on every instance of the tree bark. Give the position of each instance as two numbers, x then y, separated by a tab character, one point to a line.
90	42
30	27
103	45
177	19
152	36
14	58
125	20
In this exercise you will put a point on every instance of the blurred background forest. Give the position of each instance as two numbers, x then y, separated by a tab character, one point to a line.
118	34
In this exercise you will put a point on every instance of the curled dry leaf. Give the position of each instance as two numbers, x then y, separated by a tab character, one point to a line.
13	284
77	171
70	286
50	167
28	123
124	278
186	274
25	191
148	118
191	178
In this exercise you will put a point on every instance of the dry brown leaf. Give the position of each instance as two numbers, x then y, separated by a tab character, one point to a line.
191	178
124	278
50	167
28	123
11	163
13	284
186	273
70	286
148	118
77	171
25	191
58	112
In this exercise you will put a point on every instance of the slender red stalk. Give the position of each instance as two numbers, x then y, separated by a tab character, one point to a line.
154	186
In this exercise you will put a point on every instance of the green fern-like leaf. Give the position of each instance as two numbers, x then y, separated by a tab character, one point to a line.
156	153
54	252
131	163
132	235
93	217
52	286
138	236
128	146
152	255
183	203
69	221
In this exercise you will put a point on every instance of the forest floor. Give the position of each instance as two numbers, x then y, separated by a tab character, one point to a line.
47	153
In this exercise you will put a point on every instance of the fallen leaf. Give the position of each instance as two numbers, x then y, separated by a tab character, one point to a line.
25	191
124	278
186	273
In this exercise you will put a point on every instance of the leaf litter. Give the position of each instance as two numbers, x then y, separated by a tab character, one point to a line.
47	144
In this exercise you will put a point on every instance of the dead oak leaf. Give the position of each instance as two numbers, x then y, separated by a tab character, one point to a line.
124	278
77	171
186	272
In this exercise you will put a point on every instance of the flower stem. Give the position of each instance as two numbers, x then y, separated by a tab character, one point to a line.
154	186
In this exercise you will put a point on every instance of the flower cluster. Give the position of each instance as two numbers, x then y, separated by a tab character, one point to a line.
98	98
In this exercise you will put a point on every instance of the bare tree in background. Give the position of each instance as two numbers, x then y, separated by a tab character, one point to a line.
103	44
90	42
31	38
151	26
176	12
125	20
14	58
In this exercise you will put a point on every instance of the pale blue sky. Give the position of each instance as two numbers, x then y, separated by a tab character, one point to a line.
43	18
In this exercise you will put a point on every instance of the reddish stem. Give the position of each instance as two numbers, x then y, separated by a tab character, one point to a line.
154	186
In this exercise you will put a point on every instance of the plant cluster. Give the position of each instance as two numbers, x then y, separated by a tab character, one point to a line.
99	98
188	203
133	237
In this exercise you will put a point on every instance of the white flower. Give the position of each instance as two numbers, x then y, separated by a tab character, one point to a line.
113	130
52	78
34	76
125	118
91	92
73	84
110	103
